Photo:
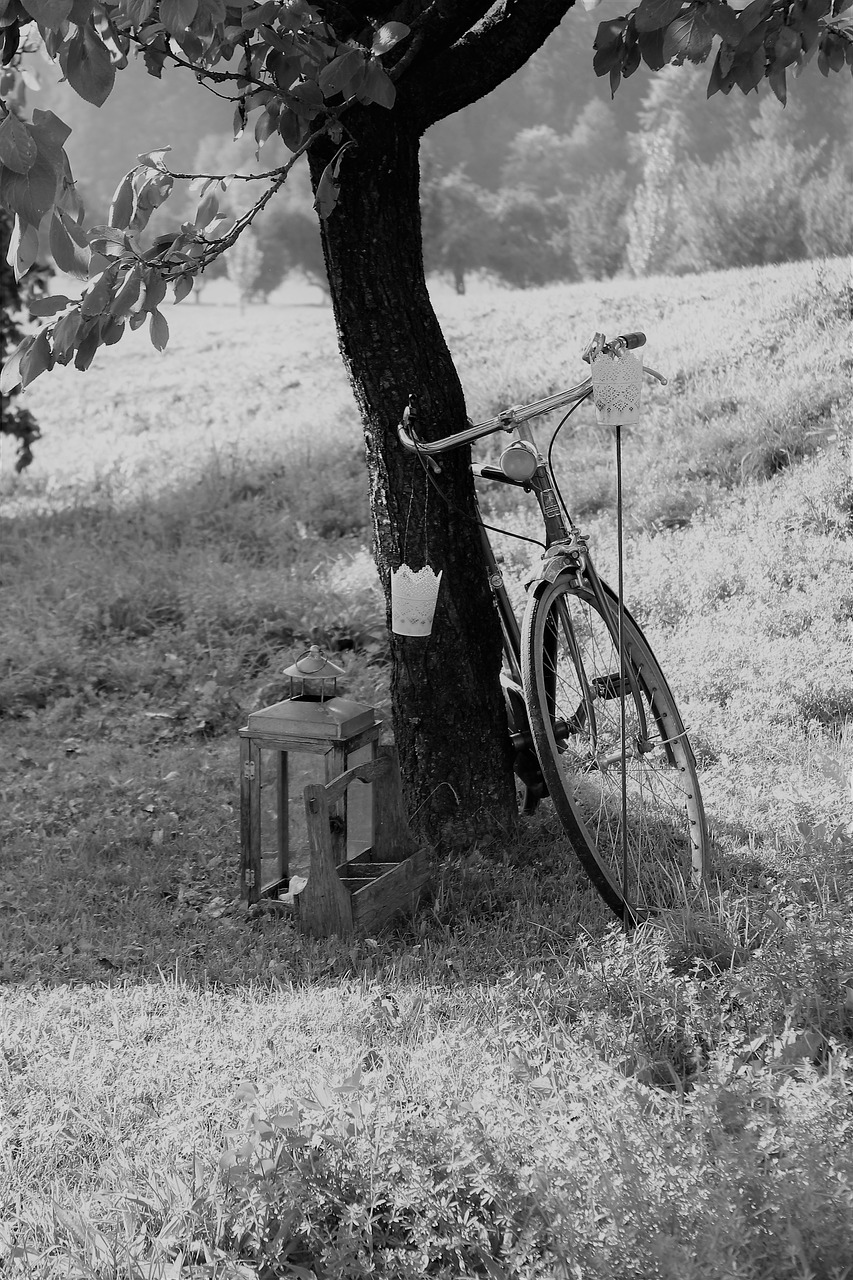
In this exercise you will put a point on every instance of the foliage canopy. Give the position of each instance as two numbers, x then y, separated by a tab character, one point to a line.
293	69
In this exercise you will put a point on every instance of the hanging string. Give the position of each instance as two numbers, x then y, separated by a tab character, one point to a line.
406	527
404	559
451	506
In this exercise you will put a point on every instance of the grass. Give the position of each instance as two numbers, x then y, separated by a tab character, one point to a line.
504	1085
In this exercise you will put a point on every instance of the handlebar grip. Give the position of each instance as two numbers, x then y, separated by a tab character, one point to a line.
599	344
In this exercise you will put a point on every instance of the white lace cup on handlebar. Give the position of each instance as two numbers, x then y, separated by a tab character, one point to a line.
413	597
617	384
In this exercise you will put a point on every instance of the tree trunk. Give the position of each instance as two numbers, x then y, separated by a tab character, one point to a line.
449	720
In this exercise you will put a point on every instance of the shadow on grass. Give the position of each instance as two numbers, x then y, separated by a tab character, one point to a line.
121	866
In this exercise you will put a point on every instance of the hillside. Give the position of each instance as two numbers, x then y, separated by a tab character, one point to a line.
504	1085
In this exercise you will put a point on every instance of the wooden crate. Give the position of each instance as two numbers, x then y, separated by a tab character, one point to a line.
362	895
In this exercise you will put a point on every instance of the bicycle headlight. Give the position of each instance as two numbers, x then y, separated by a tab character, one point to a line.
518	461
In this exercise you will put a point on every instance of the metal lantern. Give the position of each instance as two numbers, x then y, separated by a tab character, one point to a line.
313	721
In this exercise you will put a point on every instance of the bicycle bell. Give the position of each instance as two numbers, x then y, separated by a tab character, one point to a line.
519	461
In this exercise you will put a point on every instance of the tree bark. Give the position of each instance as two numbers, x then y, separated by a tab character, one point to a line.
449	719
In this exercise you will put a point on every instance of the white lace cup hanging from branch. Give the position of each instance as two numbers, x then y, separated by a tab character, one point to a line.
413	597
617	384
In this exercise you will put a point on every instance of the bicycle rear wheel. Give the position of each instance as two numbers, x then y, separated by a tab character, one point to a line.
571	676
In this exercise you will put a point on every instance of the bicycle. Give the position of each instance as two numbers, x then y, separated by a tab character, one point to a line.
593	723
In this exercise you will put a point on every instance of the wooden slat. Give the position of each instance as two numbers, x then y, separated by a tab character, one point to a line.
325	906
396	891
367	772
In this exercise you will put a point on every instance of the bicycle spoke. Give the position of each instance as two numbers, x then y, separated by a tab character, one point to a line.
579	668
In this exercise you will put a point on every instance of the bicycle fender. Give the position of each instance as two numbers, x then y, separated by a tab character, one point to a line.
549	573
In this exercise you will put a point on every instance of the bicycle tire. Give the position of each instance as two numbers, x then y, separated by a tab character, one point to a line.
668	841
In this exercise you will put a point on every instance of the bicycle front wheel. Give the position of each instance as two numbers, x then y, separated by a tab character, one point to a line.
572	685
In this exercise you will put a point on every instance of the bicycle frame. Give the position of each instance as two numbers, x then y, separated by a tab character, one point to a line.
566	549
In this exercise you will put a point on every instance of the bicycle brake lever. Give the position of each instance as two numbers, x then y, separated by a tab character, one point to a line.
409	439
653	373
593	349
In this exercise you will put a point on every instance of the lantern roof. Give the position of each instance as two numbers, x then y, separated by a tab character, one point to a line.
313	665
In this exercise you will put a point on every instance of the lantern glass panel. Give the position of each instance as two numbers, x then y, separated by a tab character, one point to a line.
284	844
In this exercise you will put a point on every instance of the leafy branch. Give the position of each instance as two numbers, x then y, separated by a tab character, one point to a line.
761	41
295	73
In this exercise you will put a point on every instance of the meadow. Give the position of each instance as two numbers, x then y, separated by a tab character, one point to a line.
504	1085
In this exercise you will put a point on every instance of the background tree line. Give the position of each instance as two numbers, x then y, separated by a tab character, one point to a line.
546	180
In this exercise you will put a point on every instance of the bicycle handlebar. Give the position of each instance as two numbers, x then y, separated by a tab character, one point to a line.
509	418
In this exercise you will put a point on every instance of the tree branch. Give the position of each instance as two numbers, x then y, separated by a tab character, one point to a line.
481	59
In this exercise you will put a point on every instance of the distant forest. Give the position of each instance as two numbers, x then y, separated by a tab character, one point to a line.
546	179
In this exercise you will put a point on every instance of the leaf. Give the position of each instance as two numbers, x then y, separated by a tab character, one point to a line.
328	188
29	194
155	289
653	14
48	306
339	75
87	347
387	36
212	11
292	129
87	65
154	159
306	99
608	45
112	328
37	360
23	247
688	37
258	17
718	79
265	125
137	11
651	48
49	13
752	15
122	203
631	59
776	79
722	20
177	15
283	69
748	72
97	298
127	294
183	286
155	54
207	209
10	374
68	254
65	335
378	86
787	47
831	55
50	135
18	149
110	241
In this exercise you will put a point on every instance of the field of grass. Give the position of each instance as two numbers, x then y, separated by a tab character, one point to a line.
503	1086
